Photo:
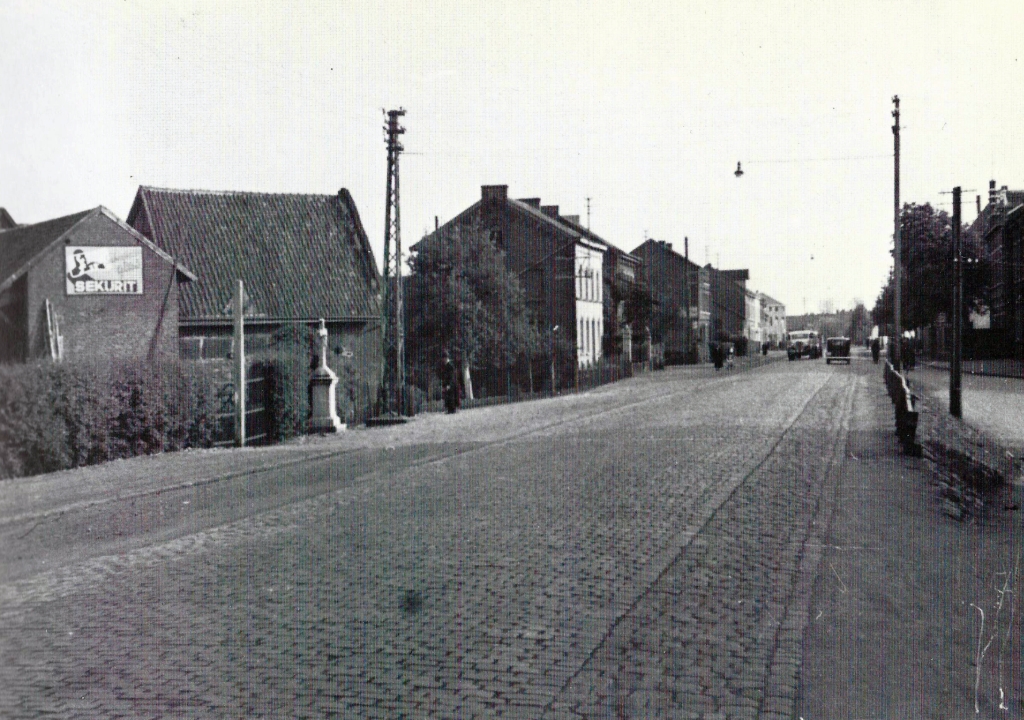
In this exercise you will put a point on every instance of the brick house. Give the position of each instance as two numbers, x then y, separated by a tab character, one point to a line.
301	258
999	228
87	286
559	264
680	289
728	302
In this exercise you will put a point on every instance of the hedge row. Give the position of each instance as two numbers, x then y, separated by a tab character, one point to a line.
59	416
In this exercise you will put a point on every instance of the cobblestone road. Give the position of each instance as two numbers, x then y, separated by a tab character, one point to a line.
644	550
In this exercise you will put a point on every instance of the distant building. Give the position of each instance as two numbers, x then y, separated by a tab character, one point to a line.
559	264
1000	227
773	320
681	294
753	330
728	303
87	287
300	257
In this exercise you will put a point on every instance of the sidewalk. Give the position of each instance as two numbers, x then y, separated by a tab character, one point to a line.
908	600
992	405
994	368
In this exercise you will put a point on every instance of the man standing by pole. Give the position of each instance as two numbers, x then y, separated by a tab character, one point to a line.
955	407
449	383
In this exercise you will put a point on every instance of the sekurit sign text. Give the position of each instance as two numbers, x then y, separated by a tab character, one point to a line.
103	270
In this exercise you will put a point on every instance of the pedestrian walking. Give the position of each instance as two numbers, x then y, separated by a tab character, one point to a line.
449	384
876	350
717	356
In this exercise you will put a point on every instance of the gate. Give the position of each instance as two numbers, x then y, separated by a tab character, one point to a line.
257	411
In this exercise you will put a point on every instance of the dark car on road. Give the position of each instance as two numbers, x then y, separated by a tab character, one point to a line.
837	350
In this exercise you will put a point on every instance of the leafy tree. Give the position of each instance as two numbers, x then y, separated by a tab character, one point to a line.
860	326
927	251
643	310
462	298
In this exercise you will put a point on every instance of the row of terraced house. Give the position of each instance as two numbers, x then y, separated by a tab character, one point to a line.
577	280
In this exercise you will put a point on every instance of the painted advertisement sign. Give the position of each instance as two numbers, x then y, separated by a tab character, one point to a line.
103	270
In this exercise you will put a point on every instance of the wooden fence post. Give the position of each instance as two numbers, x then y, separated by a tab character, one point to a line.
240	380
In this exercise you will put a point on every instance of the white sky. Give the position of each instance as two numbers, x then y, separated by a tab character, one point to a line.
643	107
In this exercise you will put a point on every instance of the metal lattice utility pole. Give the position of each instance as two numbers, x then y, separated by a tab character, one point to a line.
391	397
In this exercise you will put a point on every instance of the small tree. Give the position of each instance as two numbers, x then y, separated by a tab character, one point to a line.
462	298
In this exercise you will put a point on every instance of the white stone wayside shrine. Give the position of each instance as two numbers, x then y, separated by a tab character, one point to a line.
323	390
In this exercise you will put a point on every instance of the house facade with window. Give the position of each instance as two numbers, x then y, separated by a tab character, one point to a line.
1000	228
681	295
619	276
773	321
560	267
753	330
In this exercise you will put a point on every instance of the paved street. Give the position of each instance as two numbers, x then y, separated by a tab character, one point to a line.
648	549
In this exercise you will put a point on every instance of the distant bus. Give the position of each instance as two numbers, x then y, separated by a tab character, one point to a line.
804	343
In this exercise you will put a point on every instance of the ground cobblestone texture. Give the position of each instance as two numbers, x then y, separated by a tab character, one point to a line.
648	549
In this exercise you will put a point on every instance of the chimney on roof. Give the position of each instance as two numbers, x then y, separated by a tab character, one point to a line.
977	201
532	202
494	192
1002	195
575	219
550	210
991	191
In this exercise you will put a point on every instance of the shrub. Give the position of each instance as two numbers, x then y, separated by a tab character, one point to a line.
57	416
287	393
32	438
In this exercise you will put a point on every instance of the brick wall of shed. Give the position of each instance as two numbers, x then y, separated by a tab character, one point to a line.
101	327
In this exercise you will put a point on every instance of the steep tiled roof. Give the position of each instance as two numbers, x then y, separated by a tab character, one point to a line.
6	221
300	256
21	245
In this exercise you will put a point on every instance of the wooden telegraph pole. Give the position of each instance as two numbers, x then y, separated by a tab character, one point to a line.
898	249
955	406
240	380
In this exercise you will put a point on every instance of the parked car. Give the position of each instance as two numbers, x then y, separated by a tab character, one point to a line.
804	343
838	349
